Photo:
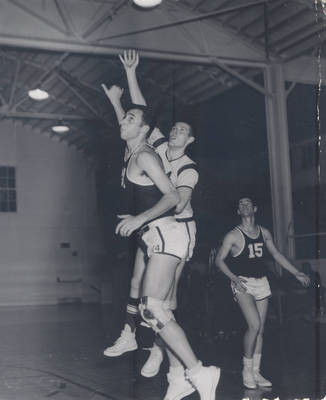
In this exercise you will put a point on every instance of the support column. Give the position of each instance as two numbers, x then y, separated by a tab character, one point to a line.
279	160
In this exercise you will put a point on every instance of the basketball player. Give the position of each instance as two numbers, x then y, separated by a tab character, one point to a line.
183	173
247	245
162	239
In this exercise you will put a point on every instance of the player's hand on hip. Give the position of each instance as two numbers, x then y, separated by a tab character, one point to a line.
129	59
128	224
240	284
303	278
114	93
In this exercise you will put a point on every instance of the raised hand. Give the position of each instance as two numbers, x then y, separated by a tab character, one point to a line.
129	59
114	93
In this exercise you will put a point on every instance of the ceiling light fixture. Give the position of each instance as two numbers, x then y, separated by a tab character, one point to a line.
60	128
147	3
38	94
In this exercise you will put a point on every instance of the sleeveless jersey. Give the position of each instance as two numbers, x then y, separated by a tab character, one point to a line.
139	194
251	260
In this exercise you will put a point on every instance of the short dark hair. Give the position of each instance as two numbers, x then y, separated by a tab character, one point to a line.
247	197
147	113
191	131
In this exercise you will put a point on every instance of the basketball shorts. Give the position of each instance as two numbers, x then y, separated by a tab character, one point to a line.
164	236
190	227
257	287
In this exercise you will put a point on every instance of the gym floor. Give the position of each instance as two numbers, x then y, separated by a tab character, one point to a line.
56	352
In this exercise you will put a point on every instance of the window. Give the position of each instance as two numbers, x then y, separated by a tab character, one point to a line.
8	189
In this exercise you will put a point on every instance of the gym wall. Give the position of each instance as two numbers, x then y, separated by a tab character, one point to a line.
50	249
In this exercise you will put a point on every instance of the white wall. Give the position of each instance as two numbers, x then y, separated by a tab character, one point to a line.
56	202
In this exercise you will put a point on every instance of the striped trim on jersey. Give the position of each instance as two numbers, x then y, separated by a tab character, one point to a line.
187	166
158	142
187	219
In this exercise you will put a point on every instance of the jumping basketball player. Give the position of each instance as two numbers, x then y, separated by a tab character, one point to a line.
163	240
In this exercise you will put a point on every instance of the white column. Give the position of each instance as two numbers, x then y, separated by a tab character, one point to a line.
279	159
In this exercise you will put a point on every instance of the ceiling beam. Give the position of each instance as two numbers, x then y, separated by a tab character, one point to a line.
39	17
45	116
257	20
209	92
14	84
109	15
70	85
242	78
46	75
22	86
69	82
303	49
290	41
66	17
281	22
199	4
188	20
217	25
107	50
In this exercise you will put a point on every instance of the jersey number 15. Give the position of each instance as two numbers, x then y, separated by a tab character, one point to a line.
255	250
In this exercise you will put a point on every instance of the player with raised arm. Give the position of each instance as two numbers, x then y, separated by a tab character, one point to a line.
165	242
183	174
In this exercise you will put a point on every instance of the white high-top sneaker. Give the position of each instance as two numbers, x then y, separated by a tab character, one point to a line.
247	374
259	379
153	363
125	342
205	379
179	387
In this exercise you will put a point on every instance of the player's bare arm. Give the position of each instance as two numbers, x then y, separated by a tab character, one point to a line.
114	94
185	194
281	260
149	164
130	60
229	242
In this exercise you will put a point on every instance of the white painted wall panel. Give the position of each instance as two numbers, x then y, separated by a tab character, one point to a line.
56	203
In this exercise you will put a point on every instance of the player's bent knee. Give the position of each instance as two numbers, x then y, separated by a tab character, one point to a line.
155	312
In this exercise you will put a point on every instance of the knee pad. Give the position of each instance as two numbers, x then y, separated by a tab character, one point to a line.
155	312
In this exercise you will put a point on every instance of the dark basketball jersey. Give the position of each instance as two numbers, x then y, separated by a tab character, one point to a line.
251	260
139	195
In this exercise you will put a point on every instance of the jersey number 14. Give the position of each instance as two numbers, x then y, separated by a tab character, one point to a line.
255	250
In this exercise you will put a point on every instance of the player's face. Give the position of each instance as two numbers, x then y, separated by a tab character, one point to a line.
179	134
246	207
131	125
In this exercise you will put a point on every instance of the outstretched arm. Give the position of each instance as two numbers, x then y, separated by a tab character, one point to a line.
282	261
130	60
114	95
